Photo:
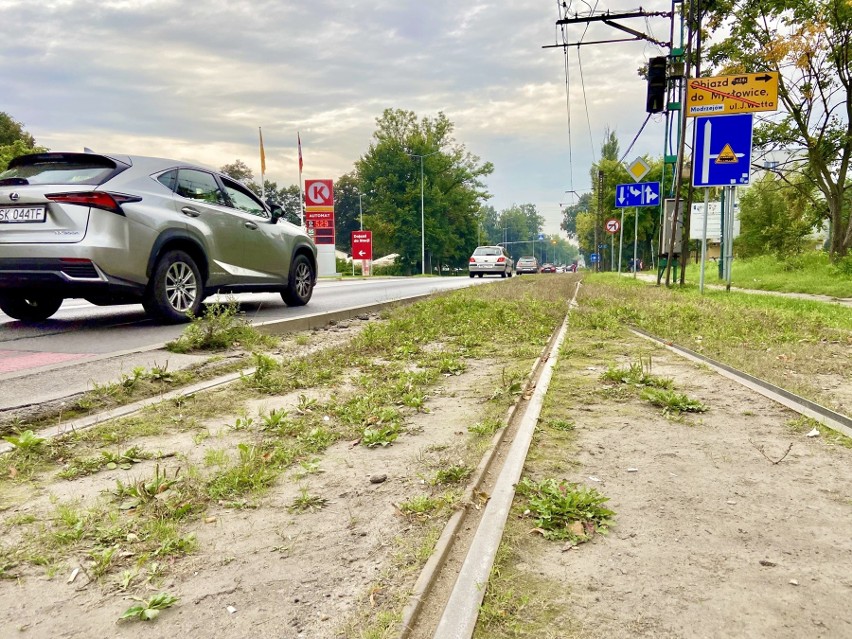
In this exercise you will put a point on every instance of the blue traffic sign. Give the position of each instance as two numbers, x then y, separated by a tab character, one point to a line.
641	194
594	258
722	150
541	236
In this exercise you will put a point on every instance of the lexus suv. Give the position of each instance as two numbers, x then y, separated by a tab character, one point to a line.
118	229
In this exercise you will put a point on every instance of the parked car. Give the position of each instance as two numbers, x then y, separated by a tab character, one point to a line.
526	265
119	229
490	259
548	268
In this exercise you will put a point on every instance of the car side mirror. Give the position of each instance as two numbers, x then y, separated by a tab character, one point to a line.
276	210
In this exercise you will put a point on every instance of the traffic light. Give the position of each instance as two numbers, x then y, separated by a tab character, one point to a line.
656	100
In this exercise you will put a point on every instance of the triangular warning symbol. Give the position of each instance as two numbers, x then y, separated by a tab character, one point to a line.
726	156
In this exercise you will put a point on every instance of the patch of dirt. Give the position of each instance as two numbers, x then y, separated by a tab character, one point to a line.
264	571
711	539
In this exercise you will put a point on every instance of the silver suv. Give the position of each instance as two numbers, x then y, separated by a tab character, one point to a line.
117	229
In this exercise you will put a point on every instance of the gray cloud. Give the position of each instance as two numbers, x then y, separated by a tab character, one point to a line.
195	80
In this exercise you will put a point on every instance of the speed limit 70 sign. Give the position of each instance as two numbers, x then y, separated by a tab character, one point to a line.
612	225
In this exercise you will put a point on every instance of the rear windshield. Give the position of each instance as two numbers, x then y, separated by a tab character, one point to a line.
60	168
488	250
527	259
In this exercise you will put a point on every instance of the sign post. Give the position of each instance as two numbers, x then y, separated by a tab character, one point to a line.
362	248
319	222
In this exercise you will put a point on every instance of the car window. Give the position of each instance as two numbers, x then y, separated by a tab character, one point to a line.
61	169
243	200
488	250
199	185
169	179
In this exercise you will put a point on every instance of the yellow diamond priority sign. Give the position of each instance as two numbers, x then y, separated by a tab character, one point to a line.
638	169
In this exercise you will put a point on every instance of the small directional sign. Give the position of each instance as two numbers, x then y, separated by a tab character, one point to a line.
594	258
612	226
641	194
722	150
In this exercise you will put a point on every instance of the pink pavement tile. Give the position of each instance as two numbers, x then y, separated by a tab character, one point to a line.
11	361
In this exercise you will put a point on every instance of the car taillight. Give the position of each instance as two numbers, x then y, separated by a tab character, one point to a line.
97	199
501	260
473	260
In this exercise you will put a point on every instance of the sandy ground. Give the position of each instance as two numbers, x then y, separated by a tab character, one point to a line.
711	538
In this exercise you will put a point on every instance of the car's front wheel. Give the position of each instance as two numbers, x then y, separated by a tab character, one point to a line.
175	290
300	286
29	308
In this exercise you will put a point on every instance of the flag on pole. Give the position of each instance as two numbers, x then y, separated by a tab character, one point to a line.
262	154
299	140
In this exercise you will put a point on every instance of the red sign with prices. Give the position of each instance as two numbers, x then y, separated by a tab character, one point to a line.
319	210
362	245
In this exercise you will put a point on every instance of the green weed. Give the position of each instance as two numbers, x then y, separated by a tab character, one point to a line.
305	502
672	402
563	510
149	609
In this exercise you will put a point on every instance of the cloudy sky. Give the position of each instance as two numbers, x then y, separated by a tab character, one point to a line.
194	79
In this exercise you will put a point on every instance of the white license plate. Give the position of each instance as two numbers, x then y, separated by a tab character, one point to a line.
22	214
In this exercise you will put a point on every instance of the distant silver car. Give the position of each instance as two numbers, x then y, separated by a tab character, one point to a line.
490	260
118	229
527	265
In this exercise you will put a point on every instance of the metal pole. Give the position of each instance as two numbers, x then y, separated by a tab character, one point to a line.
422	225
620	240
635	237
731	236
704	239
361	210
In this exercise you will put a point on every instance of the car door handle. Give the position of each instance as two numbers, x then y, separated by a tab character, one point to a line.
250	225
189	211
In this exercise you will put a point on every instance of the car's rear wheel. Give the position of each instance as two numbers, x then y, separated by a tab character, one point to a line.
503	275
472	274
300	286
175	290
29	307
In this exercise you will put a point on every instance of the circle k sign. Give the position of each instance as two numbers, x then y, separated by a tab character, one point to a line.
612	225
319	193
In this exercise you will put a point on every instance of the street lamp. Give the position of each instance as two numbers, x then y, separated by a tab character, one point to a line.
422	224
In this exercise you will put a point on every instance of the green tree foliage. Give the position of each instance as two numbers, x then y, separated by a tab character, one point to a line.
14	141
808	43
570	213
390	175
347	209
774	218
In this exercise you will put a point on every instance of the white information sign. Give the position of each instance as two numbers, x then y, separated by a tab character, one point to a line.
714	221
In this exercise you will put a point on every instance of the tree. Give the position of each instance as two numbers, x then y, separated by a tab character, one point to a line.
569	214
403	149
808	44
240	171
774	218
347	209
14	141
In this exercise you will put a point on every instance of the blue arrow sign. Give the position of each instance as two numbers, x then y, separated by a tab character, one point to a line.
641	194
722	150
593	258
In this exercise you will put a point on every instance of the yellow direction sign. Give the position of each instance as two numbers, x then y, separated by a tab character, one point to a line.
731	94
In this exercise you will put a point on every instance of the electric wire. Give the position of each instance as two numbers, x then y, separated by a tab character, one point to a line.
642	128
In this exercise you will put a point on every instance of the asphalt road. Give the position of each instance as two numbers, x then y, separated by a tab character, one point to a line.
80	331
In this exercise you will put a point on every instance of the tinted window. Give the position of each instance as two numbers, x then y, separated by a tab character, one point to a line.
169	179
242	199
488	250
58	168
199	185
